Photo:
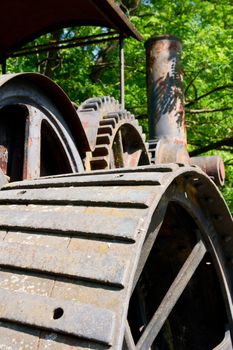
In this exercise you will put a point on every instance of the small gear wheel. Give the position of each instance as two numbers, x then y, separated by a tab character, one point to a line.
120	141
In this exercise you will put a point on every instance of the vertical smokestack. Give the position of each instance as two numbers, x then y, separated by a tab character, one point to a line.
165	98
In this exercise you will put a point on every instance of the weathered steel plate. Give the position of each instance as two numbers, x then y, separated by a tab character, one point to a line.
101	196
105	268
58	315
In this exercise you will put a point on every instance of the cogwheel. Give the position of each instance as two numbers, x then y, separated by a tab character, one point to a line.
152	149
120	141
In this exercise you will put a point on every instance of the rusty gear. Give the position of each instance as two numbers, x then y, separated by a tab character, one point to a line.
120	141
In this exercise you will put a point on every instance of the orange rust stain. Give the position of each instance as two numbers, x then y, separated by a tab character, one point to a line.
30	142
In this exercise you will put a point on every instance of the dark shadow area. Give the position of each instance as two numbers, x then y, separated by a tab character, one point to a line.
53	158
12	135
198	320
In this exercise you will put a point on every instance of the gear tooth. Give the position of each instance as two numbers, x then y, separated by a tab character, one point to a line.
112	118
112	100
94	99
123	116
128	115
103	139
108	121
132	117
100	102
112	115
91	105
140	129
100	151
106	101
152	148
147	145
105	129
119	116
99	163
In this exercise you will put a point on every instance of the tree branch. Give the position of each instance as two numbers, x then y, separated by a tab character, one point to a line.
193	79
213	145
207	110
218	88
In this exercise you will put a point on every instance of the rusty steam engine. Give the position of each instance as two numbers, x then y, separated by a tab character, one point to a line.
106	241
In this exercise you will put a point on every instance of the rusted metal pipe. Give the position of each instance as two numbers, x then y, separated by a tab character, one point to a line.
122	73
165	98
213	166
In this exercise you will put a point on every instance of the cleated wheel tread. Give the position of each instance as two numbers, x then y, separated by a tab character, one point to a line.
73	248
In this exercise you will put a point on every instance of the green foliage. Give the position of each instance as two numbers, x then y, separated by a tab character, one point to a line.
205	28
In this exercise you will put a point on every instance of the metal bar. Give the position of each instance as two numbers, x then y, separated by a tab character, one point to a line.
226	344
128	338
171	297
104	179
60	42
31	167
103	268
57	47
147	246
122	73
102	222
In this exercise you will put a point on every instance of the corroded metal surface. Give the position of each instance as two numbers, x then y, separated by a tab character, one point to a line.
166	108
117	140
213	166
44	117
165	99
70	260
30	21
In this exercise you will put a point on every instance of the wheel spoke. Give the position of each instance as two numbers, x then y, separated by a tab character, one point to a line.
146	249
31	168
132	158
172	296
130	345
118	150
226	344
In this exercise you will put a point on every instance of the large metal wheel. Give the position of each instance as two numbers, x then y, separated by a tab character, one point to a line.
35	137
120	142
182	289
135	259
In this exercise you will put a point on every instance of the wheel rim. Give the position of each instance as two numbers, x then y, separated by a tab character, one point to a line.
41	143
191	266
